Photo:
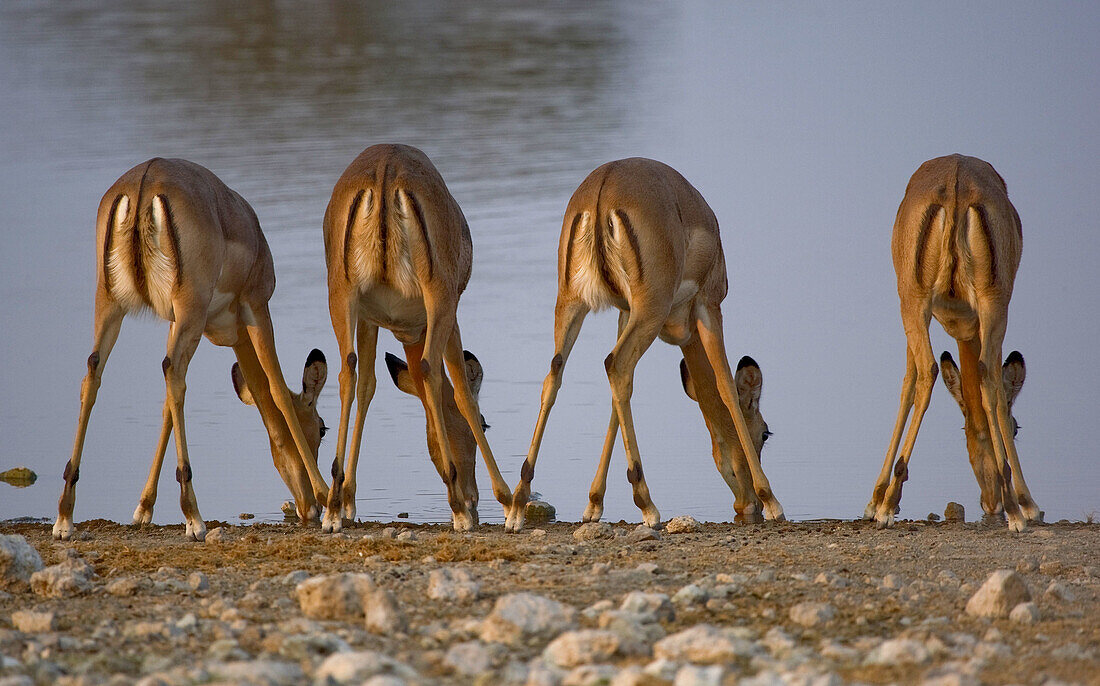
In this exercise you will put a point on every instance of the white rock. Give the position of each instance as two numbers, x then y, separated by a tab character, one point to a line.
1002	591
197	580
1025	613
690	595
637	631
385	680
470	658
590	675
657	605
898	651
541	674
778	642
892	582
633	675
268	672
812	614
31	622
691	675
346	668
519	616
597	608
407	535
831	579
452	584
18	559
217	535
705	644
662	669
684	524
334	596
383	613
71	577
1059	591
643	533
126	586
584	647
591	531
296	577
949	677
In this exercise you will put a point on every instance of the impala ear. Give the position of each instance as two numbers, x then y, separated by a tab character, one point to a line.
750	382
240	386
399	372
1012	375
952	379
685	379
314	376
474	373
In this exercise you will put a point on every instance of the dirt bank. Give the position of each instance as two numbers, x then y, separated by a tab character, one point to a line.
911	582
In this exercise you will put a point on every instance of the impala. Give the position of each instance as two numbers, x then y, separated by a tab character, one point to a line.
639	237
171	238
956	246
399	254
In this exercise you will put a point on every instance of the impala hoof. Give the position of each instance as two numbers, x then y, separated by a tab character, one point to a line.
1016	523
651	516
592	513
63	529
142	515
869	511
884	519
195	530
774	512
462	521
513	523
331	523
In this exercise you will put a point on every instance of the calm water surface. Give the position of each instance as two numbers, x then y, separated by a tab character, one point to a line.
801	131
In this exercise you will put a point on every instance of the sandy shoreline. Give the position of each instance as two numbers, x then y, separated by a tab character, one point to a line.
897	600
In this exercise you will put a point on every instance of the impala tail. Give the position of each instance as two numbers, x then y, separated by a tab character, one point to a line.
141	251
603	258
386	240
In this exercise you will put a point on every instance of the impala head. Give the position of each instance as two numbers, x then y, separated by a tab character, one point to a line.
305	406
750	383
1013	373
463	445
978	444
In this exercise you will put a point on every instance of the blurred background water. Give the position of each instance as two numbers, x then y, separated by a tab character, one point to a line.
800	125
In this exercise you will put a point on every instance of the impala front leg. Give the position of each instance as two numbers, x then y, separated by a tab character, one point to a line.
468	406
440	327
709	321
262	335
144	512
568	316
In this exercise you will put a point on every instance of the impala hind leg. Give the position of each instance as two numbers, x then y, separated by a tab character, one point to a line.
366	342
569	315
709	322
108	322
182	341
594	510
344	312
468	406
262	335
927	370
639	333
905	406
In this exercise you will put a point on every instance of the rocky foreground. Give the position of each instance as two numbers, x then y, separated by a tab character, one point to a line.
819	604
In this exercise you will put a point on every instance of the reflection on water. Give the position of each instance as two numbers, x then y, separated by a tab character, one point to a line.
515	104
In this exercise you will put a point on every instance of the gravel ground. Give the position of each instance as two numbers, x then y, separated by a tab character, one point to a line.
826	602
